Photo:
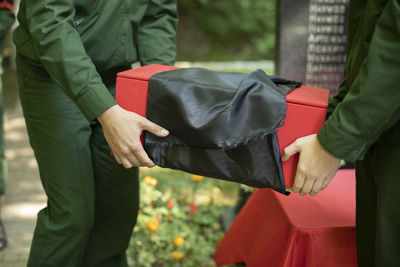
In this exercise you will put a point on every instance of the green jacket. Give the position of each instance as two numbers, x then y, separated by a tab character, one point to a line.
77	42
368	104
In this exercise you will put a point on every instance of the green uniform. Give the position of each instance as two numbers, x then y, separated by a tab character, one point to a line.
364	126
68	54
6	20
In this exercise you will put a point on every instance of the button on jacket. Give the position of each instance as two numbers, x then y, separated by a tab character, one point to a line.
368	104
86	39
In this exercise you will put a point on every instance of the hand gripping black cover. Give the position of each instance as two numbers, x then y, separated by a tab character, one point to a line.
221	125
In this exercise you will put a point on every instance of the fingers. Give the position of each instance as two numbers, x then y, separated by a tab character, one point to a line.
310	186
134	155
122	131
117	158
315	168
141	157
131	161
317	187
325	183
126	163
290	151
298	181
154	128
307	186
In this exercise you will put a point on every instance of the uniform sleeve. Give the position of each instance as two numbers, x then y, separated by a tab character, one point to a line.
7	18
157	33
372	104
60	50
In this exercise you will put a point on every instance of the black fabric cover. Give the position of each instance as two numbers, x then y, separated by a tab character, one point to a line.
222	125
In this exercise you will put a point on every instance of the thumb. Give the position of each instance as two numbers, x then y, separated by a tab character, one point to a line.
154	128
290	151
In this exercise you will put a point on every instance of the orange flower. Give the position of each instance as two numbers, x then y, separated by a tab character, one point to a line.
169	217
150	180
177	255
147	179
178	241
152	225
193	208
154	182
170	204
197	178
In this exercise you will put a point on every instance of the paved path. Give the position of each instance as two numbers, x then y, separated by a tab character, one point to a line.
24	194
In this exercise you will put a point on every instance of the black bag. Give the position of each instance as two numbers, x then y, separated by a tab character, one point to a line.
221	125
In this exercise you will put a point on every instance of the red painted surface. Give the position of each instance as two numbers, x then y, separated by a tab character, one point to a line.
131	87
306	108
294	231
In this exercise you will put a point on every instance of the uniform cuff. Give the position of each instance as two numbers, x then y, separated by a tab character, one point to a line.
94	102
340	143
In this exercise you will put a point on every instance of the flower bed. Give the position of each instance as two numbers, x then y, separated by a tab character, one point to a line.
178	222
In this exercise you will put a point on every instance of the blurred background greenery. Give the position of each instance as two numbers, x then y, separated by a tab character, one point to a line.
226	30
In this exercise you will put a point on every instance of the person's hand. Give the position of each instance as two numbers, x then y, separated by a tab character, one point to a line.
316	166
122	130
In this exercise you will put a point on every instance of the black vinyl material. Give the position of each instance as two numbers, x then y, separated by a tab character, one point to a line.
221	125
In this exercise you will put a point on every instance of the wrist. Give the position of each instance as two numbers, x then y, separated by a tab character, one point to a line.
322	145
107	114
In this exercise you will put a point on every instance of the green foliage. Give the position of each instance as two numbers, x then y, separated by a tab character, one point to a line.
226	30
181	207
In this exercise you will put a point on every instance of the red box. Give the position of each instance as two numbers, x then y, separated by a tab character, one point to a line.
306	108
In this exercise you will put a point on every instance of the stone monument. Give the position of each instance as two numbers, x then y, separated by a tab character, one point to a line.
311	41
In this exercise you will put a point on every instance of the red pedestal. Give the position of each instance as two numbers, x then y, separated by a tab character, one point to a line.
306	108
295	231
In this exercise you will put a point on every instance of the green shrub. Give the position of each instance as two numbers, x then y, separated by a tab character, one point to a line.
226	30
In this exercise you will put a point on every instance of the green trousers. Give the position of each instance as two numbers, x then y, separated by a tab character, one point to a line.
3	162
378	204
92	201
